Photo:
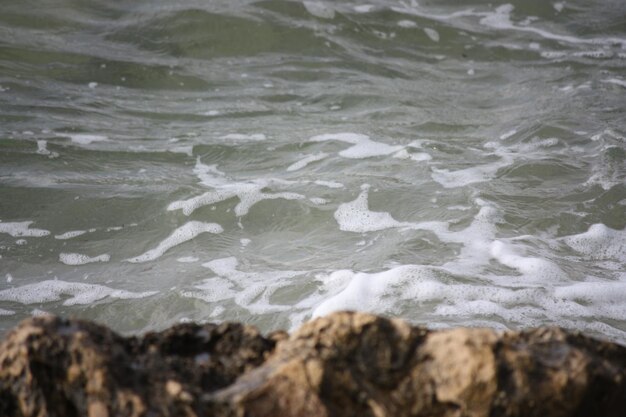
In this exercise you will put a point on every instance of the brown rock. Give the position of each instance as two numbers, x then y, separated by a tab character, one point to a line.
68	368
346	364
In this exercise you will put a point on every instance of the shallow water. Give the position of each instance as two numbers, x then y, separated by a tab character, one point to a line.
272	161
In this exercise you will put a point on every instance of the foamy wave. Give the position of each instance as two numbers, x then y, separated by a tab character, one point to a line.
85	139
355	216
250	290
249	193
306	161
70	235
362	145
80	259
54	290
245	137
419	285
22	229
599	242
186	232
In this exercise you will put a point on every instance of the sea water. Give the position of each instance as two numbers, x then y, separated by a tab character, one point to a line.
450	163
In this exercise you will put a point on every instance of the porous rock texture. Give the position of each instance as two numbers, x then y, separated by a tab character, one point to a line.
345	364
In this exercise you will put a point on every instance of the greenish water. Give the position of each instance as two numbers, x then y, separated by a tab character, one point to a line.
271	161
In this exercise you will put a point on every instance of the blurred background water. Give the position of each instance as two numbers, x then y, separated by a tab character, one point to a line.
451	163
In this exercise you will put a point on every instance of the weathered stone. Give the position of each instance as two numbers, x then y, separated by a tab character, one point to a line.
345	364
66	368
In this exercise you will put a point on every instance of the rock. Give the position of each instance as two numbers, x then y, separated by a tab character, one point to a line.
68	368
345	364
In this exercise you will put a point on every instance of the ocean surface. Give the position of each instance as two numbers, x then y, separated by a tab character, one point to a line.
451	163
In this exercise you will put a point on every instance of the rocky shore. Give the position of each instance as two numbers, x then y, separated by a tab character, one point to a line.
345	364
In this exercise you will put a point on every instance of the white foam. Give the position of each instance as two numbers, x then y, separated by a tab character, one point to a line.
594	292
599	242
85	139
508	134
414	10
532	268
459	207
501	19
9	278
558	6
603	177
21	242
318	201
472	175
184	233
432	34
69	235
187	259
615	81
241	136
212	113
80	259
217	311
249	193
306	161
319	9
21	229
419	285
329	184
250	290
363	8
244	242
417	157
210	197
212	290
553	54
54	290
39	313
186	149
355	216
209	175
42	147
367	292
597	54
362	145
4	312
476	239
407	24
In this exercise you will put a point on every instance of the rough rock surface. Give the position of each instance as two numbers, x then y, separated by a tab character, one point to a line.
345	364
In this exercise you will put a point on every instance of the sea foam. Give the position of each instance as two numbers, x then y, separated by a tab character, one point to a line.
599	242
70	235
306	161
249	193
362	145
53	290
355	216
22	229
85	139
184	233
250	290
80	259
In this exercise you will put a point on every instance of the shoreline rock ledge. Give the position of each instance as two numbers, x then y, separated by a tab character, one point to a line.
345	364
